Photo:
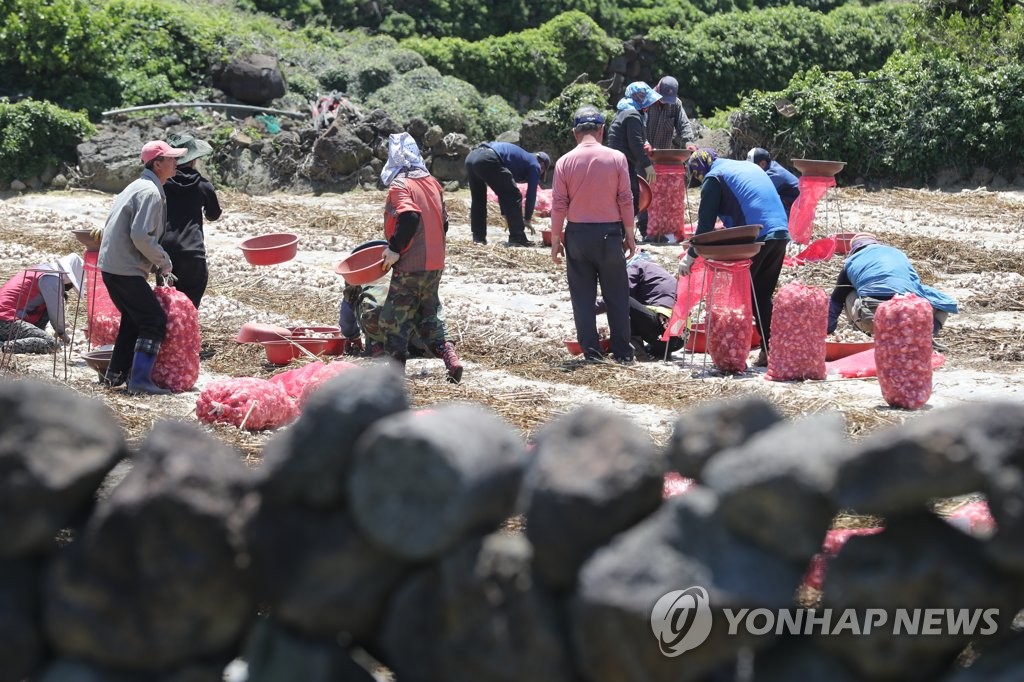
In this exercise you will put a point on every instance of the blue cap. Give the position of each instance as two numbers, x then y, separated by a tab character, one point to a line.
589	118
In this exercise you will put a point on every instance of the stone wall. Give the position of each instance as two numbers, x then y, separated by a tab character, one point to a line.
375	535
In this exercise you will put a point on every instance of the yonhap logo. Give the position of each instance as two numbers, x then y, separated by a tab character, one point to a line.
681	620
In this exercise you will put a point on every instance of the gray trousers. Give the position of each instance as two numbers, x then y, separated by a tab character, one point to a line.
593	255
861	312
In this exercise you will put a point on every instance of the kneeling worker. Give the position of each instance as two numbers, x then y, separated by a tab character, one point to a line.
874	273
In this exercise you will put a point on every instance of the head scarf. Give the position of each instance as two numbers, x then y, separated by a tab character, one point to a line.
700	163
403	156
861	240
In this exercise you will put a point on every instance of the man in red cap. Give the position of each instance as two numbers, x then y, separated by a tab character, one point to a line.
129	252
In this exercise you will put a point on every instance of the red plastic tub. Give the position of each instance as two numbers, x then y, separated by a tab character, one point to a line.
574	348
283	352
270	249
363	267
835	350
335	341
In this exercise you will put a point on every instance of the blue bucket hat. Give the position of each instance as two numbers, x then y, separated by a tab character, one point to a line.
641	94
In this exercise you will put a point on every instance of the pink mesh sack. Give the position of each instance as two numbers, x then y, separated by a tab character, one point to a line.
801	216
799	328
729	318
247	402
177	364
903	351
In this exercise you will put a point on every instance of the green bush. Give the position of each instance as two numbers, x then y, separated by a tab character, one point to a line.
34	135
59	50
917	116
528	67
550	128
453	104
728	55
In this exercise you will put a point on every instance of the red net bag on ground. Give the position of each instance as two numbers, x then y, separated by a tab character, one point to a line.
730	317
801	216
300	382
903	351
541	208
799	328
103	317
833	543
666	214
249	403
177	364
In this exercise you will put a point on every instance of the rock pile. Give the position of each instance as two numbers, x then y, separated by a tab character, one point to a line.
371	536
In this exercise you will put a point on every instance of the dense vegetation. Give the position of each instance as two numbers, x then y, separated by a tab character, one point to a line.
36	135
893	103
951	100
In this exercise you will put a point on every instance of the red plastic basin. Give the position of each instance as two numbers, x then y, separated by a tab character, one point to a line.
574	348
363	267
254	332
545	236
270	249
283	352
335	341
843	240
835	350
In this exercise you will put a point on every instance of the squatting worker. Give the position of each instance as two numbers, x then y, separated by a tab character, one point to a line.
786	184
190	197
415	225
873	273
740	193
500	165
33	297
592	199
628	134
130	250
652	295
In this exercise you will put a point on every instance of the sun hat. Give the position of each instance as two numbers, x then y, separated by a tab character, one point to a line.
193	146
859	241
157	148
73	268
641	94
668	88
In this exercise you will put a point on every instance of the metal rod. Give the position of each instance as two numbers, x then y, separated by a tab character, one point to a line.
207	105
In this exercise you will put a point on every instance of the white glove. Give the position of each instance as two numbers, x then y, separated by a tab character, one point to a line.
685	265
390	258
651	175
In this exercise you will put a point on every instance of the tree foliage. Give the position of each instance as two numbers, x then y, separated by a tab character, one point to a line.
728	55
951	102
34	135
528	67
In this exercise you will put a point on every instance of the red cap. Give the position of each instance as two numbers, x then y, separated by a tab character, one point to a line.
158	148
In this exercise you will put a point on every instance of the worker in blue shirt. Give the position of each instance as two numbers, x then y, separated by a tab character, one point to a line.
786	184
500	165
874	273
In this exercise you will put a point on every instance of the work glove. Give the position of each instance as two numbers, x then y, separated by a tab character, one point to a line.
96	233
390	258
648	148
170	279
61	336
651	175
685	265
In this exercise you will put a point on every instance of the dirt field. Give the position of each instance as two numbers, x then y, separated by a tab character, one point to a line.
508	309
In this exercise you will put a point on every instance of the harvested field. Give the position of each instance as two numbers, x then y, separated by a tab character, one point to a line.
508	309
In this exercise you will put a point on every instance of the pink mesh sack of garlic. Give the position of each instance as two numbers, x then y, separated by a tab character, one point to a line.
247	402
177	364
903	350
799	328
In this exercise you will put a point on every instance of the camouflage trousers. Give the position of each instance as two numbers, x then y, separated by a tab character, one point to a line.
18	336
412	304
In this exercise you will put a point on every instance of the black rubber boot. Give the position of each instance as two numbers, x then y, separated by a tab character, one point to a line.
141	380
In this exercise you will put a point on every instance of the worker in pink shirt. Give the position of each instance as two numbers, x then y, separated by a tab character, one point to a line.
592	200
